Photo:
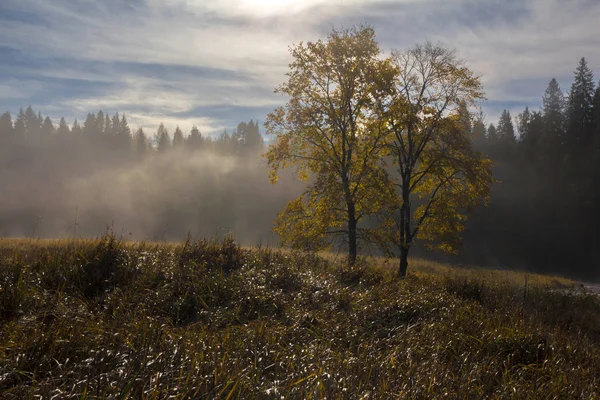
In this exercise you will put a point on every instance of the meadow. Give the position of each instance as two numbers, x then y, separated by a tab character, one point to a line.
109	319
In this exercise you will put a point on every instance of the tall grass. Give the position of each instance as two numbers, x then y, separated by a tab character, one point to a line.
109	319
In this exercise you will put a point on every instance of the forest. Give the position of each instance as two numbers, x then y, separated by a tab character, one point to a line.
64	179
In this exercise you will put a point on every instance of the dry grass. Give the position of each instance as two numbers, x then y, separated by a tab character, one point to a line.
108	319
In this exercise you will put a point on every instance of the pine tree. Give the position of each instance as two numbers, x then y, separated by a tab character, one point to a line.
550	144
478	133
20	127
32	122
108	128
253	140
39	122
6	137
123	133
140	143
492	134
523	120
194	140
100	120
163	142
531	129
113	141
63	129
47	127
178	138
89	126
506	129
115	123
76	130
580	113
6	126
553	105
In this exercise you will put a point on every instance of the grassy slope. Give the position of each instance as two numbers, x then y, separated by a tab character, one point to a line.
90	319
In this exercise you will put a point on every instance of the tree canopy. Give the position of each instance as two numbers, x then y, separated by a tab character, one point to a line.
330	131
350	112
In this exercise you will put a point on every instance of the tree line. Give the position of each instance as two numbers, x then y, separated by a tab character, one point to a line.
100	133
545	211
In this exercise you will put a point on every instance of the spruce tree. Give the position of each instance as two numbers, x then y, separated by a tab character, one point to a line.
76	130
580	113
553	105
108	128
100	120
523	120
89	126
550	145
163	142
253	140
492	134
6	126
63	129
113	140
506	129
47	127
32	122
194	140
478	134
178	138
140	143
20	127
123	133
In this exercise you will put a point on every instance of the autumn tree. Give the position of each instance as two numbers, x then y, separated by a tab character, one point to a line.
439	175
328	130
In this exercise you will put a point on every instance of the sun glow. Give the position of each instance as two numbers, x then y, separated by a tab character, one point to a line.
276	6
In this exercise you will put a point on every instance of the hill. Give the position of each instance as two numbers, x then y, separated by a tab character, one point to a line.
110	319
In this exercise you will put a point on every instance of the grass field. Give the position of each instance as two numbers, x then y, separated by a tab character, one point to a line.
97	319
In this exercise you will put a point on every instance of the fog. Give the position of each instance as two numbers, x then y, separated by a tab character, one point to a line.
79	186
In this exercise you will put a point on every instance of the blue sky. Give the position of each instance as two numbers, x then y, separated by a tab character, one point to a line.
213	63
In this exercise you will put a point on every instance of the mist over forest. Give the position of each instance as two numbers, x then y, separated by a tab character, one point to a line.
62	180
77	181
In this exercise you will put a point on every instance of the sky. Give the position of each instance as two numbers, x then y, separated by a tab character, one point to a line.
213	63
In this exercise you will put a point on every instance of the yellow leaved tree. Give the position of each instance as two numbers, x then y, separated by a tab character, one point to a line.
350	111
330	131
438	174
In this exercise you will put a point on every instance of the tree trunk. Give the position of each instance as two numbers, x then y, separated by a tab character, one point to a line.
405	229
352	239
403	263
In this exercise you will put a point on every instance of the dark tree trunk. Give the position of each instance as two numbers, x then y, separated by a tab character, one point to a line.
352	239
403	263
405	228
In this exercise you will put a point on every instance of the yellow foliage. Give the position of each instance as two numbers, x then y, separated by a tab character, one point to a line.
350	112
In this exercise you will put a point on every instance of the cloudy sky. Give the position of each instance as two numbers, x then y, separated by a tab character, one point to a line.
213	63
